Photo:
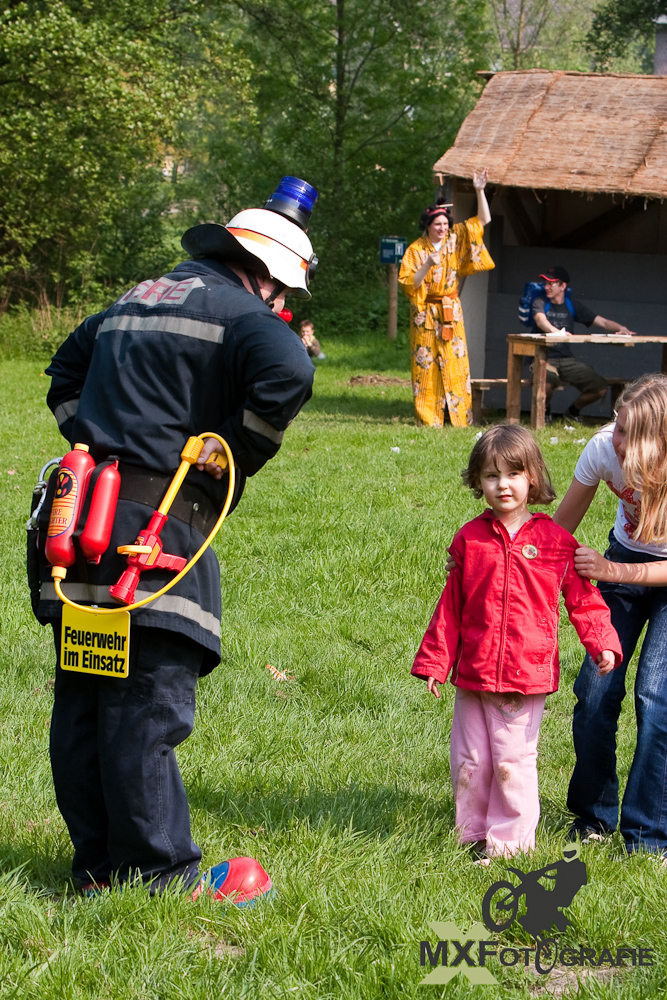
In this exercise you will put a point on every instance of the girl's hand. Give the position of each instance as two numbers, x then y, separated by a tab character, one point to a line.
450	563
591	564
605	662
433	259
432	686
479	179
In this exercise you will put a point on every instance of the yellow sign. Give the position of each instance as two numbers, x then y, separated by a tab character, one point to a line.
93	642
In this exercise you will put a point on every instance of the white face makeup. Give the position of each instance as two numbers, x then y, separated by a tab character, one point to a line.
438	229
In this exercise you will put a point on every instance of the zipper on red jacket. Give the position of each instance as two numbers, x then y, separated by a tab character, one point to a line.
503	621
507	545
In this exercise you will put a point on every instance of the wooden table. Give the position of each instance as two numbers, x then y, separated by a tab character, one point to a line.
535	345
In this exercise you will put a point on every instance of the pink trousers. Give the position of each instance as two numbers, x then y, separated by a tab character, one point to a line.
493	757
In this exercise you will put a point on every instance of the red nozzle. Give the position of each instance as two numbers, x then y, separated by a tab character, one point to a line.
124	590
152	557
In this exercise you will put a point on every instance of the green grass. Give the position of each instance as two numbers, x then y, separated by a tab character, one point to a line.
337	781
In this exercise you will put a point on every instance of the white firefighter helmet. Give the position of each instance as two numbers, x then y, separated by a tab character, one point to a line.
259	239
282	246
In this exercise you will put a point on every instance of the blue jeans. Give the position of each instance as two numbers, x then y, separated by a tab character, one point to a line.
593	793
117	781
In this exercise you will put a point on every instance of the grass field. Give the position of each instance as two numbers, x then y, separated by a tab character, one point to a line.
337	780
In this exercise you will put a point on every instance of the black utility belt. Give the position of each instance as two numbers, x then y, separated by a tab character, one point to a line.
191	504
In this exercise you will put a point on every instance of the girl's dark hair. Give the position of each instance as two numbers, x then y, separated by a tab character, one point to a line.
517	448
440	208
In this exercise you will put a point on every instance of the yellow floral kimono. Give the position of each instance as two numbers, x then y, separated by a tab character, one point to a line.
439	353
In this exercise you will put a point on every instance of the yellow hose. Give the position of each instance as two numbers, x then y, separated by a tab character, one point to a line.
166	503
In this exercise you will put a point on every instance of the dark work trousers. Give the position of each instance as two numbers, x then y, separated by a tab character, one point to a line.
115	772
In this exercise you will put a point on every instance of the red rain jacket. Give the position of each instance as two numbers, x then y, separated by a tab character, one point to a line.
496	625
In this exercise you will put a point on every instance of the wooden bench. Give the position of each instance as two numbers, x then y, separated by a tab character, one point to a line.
479	387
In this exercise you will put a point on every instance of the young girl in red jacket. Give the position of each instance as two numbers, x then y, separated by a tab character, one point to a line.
495	630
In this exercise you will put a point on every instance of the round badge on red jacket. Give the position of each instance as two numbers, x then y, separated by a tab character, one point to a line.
529	551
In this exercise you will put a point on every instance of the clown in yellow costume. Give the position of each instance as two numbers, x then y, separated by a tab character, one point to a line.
429	276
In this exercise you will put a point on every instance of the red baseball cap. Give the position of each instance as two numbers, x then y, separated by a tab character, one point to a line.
556	274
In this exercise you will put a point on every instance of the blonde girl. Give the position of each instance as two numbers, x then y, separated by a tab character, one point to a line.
630	456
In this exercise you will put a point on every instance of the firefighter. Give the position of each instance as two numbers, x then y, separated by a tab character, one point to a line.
201	348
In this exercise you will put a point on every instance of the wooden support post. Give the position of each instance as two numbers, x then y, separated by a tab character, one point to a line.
539	391
513	401
392	310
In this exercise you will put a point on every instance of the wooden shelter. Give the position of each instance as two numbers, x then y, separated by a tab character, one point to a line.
577	176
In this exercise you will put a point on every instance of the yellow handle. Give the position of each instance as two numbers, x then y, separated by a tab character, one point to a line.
220	460
189	455
134	550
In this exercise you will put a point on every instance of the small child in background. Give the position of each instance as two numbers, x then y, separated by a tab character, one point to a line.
495	629
310	341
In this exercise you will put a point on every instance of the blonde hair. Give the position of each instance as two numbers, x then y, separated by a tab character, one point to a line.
645	462
517	448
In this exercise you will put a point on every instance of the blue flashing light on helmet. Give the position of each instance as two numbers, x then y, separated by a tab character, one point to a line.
294	199
272	240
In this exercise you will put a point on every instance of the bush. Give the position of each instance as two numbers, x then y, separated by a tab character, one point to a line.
351	310
37	333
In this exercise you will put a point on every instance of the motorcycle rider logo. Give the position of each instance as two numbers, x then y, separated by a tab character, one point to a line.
500	905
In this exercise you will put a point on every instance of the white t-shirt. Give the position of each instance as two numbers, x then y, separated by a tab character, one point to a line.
598	462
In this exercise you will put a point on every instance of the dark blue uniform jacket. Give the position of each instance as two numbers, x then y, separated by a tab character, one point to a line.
188	353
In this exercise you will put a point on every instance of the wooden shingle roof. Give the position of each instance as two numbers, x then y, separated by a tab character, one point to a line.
566	131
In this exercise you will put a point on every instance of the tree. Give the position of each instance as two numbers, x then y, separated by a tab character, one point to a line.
620	25
360	97
549	34
518	25
91	95
585	35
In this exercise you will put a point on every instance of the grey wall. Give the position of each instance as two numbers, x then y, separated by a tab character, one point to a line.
474	292
474	300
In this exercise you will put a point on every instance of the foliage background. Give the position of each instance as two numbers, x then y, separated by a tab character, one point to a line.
122	124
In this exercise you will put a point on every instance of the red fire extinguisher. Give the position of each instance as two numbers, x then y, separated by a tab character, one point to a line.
94	540
71	486
74	476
